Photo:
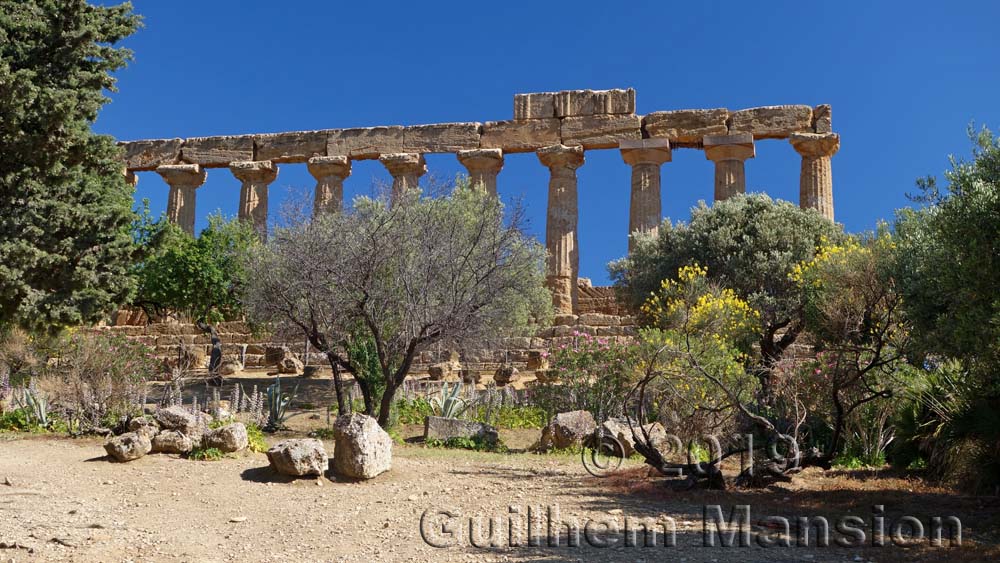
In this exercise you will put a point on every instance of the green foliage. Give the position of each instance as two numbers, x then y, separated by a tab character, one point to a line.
257	443
591	374
34	403
206	454
277	405
198	276
448	404
16	420
749	244
322	434
413	411
64	236
509	416
477	443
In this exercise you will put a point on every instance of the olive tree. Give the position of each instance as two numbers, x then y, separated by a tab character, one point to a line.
451	268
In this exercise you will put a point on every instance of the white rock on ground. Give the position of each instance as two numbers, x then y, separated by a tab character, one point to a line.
568	429
298	457
128	446
363	450
172	442
229	438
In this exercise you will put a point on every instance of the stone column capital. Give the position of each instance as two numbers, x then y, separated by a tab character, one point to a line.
738	146
561	156
255	171
325	166
815	145
404	163
131	178
645	151
182	175
481	160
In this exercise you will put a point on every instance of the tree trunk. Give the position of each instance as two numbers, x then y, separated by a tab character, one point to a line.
338	386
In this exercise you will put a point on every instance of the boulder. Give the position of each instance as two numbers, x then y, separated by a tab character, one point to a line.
172	442
363	449
229	438
440	428
179	418
290	365
230	367
537	360
444	371
568	429
128	446
298	457
144	425
505	375
620	431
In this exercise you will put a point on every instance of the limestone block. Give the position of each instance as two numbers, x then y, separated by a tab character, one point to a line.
150	153
686	127
600	131
128	447
297	146
520	136
573	103
540	105
439	428
217	152
298	457
822	118
599	319
441	137
363	450
366	142
772	122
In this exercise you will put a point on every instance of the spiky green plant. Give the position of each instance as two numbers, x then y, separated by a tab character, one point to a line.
277	405
449	404
34	403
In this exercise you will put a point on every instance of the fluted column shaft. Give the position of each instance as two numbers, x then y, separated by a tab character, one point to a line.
330	173
816	176
561	225
183	180
729	152
645	208
406	170
255	176
483	166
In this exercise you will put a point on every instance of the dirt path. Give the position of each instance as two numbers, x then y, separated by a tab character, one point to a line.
66	502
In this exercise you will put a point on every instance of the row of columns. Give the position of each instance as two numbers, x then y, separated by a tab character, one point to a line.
645	157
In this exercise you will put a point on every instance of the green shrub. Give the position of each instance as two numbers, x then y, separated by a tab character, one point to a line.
206	454
16	420
478	444
257	442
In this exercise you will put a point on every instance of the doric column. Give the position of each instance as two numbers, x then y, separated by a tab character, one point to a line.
483	166
183	180
330	173
561	224
406	169
816	177
729	152
255	176
645	157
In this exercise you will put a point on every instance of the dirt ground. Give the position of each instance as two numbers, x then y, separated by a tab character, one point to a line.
62	500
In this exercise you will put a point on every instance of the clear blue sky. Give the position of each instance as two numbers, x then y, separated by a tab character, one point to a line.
904	79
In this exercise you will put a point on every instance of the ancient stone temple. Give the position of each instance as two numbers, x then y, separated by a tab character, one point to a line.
560	127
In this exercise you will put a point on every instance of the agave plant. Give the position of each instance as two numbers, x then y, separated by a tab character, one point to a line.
33	402
277	405
448	404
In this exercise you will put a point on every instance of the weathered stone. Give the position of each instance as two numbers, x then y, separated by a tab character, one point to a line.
363	450
330	173
230	367
444	371
172	442
686	127
537	360
439	428
296	146
568	429
483	166
620	431
540	105
563	266
645	156
823	118
298	457
178	418
520	136
405	169
573	103
144	425
128	446
365	143
440	137
729	153
816	175
217	152
229	438
600	131
150	153
290	365
505	375
599	319
567	319
183	180
255	178
772	122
